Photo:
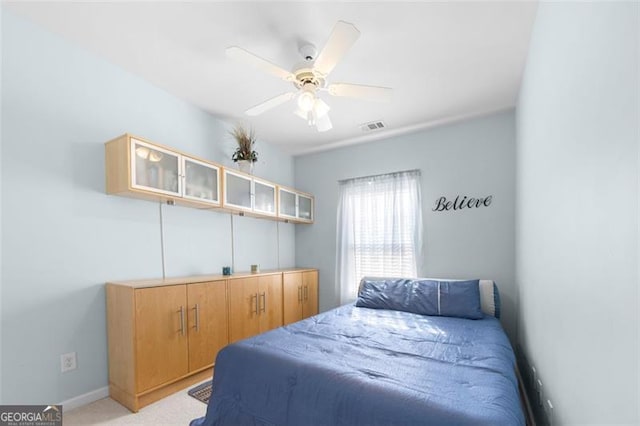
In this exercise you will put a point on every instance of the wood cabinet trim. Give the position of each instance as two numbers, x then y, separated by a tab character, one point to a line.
201	278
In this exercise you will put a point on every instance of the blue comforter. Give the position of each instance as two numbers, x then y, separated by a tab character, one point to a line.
360	366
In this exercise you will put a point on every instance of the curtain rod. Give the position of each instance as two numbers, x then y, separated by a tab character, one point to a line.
381	174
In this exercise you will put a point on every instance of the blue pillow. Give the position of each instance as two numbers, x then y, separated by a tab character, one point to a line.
460	299
422	296
396	294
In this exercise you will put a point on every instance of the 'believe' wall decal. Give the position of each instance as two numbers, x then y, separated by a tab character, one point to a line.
461	203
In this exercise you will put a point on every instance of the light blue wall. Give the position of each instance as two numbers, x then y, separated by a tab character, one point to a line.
474	158
577	209
1	37
63	237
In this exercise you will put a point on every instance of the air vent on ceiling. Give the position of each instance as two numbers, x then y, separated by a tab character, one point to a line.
373	125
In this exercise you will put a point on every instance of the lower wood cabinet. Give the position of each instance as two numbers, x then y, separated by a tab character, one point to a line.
161	345
255	305
207	319
300	295
163	338
164	334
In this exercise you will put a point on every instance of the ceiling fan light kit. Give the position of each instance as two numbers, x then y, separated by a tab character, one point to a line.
310	76
307	97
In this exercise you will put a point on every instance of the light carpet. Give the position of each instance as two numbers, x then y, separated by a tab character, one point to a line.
176	409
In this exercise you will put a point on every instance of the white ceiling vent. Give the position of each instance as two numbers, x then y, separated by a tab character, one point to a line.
372	126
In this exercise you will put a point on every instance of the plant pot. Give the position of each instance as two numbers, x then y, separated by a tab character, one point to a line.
245	166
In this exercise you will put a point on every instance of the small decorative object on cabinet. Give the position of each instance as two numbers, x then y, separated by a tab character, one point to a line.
300	295
295	206
244	154
136	167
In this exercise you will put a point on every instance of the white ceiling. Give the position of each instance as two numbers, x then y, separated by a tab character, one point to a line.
444	60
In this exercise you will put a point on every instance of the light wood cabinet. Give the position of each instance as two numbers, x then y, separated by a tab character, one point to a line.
255	305
139	168
295	206
310	294
249	194
300	295
164	334
270	302
163	338
161	347
208	331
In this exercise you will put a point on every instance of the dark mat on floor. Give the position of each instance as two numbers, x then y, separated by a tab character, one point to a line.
201	392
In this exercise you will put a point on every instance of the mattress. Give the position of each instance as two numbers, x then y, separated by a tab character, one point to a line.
361	366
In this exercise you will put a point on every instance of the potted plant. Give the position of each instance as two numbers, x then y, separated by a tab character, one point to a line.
244	154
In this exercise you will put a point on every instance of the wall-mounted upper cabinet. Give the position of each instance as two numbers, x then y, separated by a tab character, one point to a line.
249	194
295	206
264	197
138	168
201	181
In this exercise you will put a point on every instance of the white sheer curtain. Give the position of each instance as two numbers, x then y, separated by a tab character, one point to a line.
379	230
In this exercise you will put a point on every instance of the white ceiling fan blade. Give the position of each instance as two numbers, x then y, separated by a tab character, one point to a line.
241	55
370	93
323	123
270	103
341	39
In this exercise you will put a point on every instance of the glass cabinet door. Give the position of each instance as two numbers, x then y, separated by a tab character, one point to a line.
287	204
237	190
264	197
201	181
305	207
154	168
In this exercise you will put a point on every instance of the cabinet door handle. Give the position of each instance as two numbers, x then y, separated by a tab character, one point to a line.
264	302
299	294
181	311
197	309
255	311
306	293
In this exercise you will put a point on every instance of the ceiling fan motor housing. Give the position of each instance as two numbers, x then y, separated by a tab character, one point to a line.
304	72
307	75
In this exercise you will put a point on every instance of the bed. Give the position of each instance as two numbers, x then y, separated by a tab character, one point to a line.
374	362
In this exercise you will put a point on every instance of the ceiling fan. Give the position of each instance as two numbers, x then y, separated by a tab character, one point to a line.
310	77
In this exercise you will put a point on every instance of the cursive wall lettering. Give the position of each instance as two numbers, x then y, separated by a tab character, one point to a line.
461	203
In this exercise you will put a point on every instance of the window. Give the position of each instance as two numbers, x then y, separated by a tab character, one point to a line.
379	229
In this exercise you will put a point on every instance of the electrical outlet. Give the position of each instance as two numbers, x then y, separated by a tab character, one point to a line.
534	375
548	408
539	392
68	362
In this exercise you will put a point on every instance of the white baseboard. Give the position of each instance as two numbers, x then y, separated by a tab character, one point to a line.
85	399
